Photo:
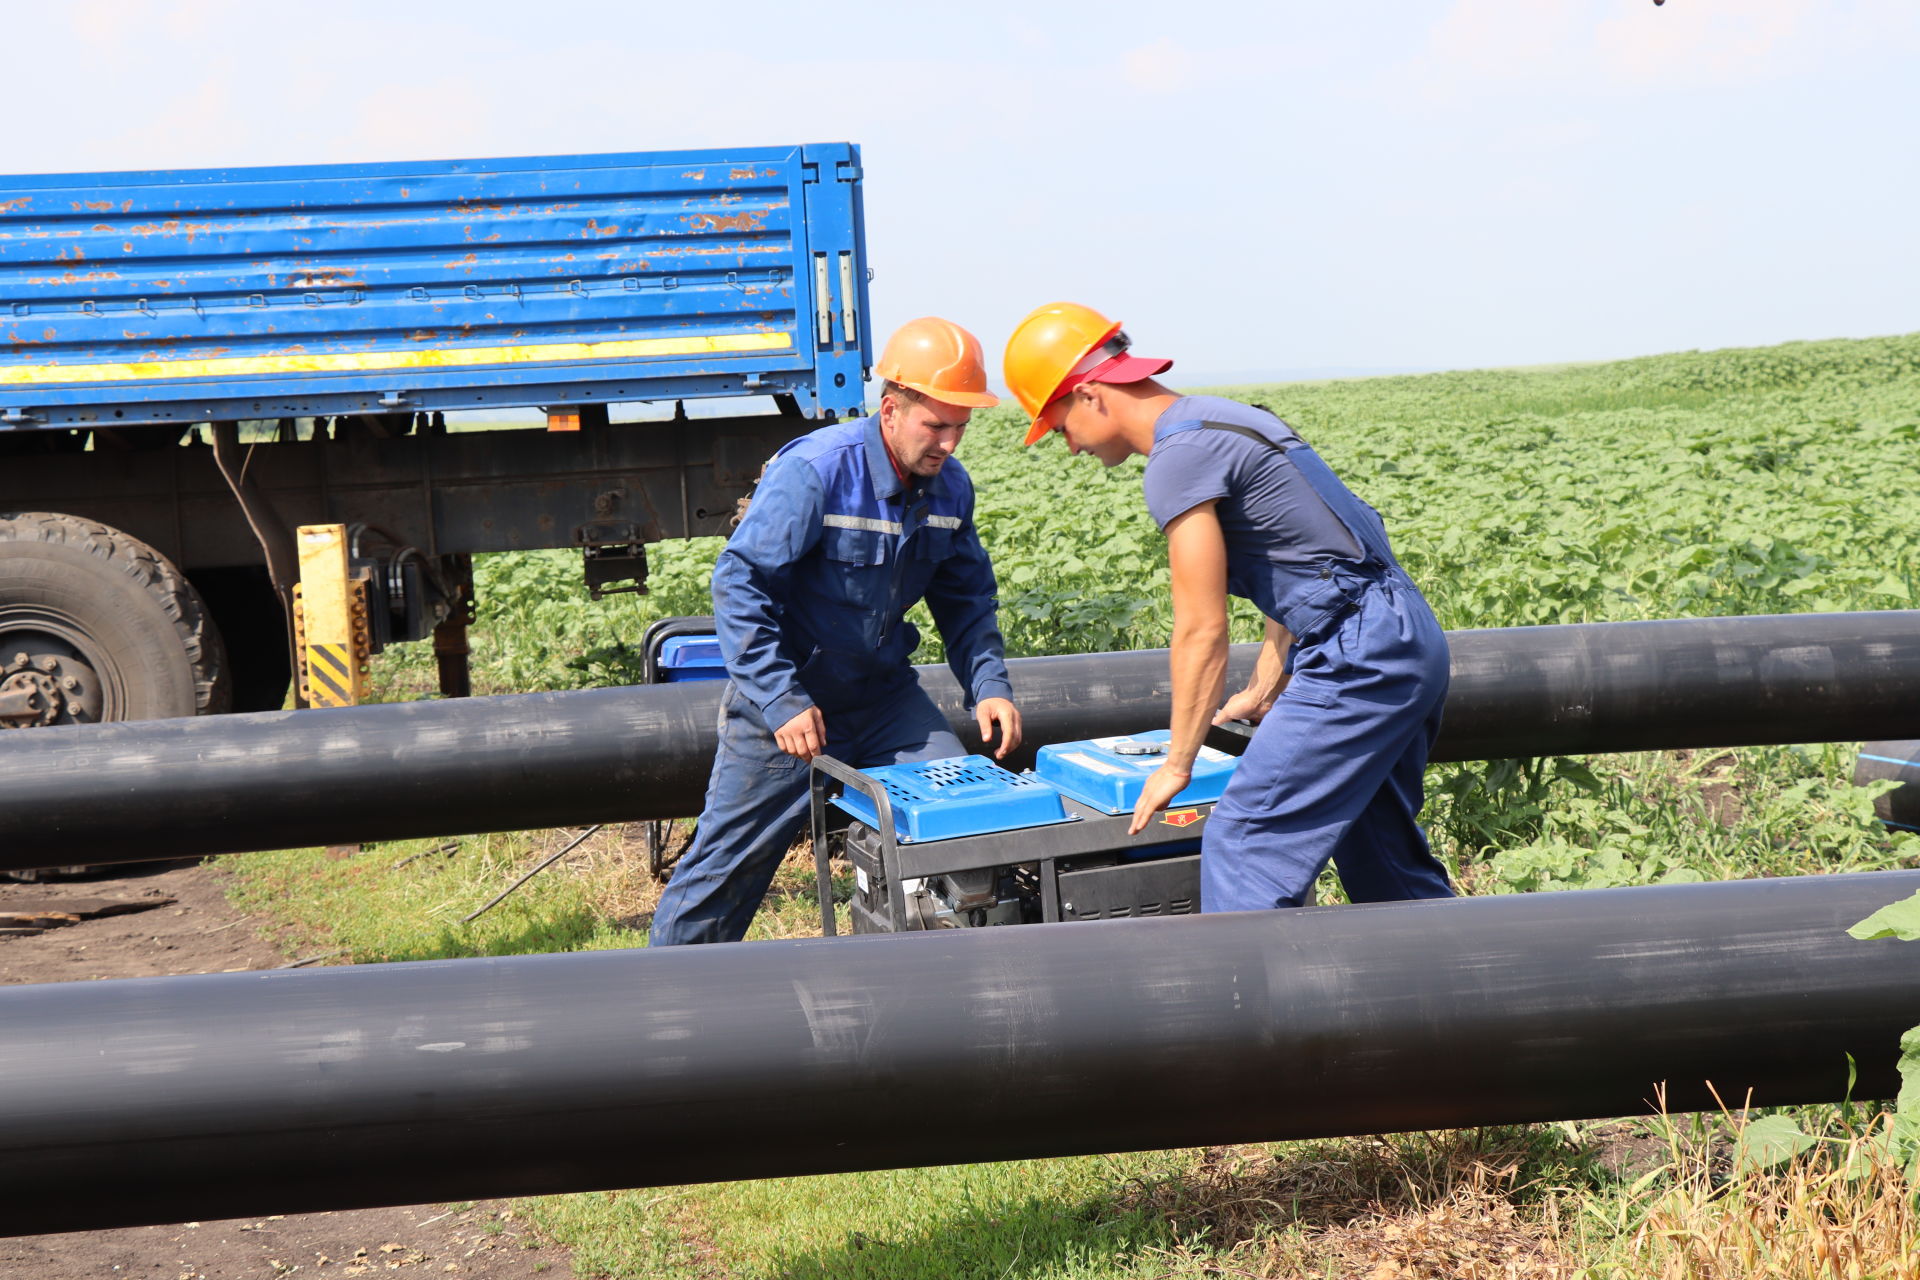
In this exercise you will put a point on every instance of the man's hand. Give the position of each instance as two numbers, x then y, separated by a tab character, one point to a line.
1162	785
998	711
804	736
1248	704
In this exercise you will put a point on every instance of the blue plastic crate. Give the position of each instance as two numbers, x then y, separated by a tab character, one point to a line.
1102	772
692	658
959	796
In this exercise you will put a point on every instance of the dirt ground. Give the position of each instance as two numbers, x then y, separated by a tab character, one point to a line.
198	932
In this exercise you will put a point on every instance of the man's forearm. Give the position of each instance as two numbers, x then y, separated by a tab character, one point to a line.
1270	671
1199	662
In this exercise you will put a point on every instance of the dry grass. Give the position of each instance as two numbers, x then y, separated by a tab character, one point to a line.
1512	1204
1841	1211
1469	1204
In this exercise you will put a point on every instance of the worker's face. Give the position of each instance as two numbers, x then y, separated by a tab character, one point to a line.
1081	417
922	433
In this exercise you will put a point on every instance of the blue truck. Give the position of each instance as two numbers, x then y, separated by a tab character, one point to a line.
195	363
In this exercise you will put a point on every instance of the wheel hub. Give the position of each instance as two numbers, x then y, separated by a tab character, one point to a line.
46	688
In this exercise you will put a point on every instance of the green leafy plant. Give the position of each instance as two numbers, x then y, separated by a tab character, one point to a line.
1902	920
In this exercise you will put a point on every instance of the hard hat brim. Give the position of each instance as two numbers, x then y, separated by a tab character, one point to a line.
1120	369
1124	368
966	399
946	395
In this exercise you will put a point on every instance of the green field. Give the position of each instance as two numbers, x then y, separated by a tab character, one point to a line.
1774	480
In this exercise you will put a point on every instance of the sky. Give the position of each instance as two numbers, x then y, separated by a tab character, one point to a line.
1260	190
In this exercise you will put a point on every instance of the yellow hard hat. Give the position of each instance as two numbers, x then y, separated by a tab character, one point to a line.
938	359
1061	345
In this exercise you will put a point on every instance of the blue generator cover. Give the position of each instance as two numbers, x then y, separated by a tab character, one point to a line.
960	796
1108	773
692	658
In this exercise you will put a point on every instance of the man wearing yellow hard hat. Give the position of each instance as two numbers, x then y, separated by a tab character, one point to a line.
851	526
1349	684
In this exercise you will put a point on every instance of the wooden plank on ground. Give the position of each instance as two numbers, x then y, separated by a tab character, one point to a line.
81	908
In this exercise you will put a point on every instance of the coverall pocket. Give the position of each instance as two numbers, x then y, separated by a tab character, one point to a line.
853	546
1314	617
745	735
1298	690
853	554
933	544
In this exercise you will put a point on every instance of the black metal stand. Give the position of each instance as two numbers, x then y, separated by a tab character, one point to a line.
658	830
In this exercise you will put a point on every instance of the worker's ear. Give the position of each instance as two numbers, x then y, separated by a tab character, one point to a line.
895	408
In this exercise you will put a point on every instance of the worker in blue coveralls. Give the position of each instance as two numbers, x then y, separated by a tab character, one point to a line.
850	527
1349	683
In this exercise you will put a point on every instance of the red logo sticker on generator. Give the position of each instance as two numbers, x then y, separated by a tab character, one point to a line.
1182	817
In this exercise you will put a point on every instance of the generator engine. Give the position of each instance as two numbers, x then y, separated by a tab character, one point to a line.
971	845
972	898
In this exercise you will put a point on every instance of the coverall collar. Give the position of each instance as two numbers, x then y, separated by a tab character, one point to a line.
886	484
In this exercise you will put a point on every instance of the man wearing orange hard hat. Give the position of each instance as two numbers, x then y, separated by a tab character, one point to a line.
1348	688
851	526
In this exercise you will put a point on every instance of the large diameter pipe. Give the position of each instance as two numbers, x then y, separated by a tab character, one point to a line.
187	788
1672	684
168	1099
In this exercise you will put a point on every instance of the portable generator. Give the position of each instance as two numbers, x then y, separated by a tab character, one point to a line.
965	843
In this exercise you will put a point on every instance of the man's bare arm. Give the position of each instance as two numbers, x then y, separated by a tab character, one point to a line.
1269	679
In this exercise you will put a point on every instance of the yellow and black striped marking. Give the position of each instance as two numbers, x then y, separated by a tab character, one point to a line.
330	674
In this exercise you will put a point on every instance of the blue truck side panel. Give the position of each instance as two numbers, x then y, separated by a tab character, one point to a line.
196	295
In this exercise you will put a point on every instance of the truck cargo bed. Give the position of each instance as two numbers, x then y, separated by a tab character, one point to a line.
200	295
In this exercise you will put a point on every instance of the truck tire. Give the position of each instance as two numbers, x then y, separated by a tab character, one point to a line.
101	626
94	626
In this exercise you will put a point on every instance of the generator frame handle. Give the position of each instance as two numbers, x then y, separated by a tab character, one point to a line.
819	770
657	831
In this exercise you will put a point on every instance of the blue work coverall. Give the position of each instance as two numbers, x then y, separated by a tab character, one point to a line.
1336	769
810	597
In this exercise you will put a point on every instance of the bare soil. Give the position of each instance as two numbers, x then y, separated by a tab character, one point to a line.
199	932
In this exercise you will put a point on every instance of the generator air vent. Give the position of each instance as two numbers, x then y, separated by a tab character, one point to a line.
961	796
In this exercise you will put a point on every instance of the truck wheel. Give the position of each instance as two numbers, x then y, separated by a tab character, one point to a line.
97	626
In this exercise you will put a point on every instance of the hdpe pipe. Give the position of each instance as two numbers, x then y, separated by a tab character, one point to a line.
109	793
174	1099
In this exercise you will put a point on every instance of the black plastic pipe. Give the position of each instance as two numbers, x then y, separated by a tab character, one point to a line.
1672	684
1899	761
86	794
170	1099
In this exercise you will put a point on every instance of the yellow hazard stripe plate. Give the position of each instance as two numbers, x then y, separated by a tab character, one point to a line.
431	358
329	670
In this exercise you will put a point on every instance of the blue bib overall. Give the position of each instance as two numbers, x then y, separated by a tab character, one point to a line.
1336	770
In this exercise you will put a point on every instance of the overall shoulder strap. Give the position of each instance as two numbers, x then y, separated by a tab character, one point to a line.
1248	432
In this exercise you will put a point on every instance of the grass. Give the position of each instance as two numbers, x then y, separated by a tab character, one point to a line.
405	899
1033	1218
1684	485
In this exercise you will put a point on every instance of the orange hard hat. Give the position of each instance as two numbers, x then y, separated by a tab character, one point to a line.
1061	345
938	359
